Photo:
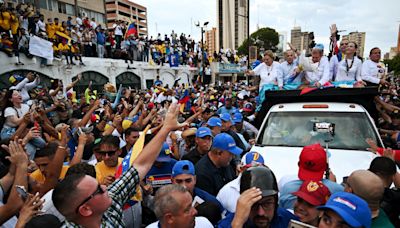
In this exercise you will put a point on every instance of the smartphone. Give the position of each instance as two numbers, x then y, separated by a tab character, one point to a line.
79	132
22	192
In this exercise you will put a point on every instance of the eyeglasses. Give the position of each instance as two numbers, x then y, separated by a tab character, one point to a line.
99	190
266	205
109	153
180	181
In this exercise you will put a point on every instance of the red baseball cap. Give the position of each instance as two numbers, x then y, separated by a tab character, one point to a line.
312	162
313	192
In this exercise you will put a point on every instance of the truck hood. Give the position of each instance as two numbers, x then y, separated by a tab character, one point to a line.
283	160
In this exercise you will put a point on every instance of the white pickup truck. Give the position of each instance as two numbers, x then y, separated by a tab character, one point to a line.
287	127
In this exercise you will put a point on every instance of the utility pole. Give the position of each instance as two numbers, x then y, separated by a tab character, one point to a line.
76	8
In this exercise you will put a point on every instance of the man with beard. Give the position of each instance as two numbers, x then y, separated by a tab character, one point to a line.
257	205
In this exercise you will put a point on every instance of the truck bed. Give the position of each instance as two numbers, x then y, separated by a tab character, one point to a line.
362	96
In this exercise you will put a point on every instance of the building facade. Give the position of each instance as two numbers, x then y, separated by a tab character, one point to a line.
232	23
62	9
359	39
127	11
211	41
300	40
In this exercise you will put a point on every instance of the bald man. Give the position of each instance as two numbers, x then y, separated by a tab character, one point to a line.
369	187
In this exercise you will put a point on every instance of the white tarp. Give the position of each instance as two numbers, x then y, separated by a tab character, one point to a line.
41	47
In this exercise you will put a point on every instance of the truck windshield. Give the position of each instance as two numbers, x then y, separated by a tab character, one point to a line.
297	129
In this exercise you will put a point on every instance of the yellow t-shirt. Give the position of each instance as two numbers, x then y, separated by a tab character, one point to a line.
14	24
51	30
102	171
5	20
39	177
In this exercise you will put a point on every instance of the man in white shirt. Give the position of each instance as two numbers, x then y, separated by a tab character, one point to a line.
173	208
334	61
93	23
78	20
289	72
118	34
320	76
372	71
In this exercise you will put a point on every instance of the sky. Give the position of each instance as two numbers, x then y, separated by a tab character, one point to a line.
379	19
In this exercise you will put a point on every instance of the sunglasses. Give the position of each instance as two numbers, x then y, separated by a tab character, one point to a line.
109	153
99	190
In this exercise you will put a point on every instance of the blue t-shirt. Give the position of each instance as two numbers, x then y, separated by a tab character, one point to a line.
223	110
280	220
207	197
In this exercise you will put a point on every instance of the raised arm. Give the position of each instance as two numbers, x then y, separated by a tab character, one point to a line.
150	152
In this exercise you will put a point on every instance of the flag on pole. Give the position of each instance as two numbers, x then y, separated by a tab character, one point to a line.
184	101
127	163
131	30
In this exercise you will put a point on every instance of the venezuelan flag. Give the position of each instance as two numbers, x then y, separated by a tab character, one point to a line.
127	163
131	30
185	101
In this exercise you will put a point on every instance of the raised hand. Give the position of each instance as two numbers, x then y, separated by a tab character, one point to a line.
171	118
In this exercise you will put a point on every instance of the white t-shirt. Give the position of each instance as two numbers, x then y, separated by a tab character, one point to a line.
118	30
372	71
49	208
199	222
78	20
12	111
269	74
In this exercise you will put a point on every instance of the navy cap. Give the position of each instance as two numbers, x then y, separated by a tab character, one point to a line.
183	167
225	142
203	132
164	155
237	117
225	117
214	122
351	208
251	157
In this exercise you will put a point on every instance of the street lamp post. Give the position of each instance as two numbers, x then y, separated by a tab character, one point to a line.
248	36
203	62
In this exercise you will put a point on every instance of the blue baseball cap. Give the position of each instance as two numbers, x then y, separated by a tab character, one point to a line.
319	46
253	156
164	155
224	141
203	132
183	167
237	118
214	122
351	208
225	117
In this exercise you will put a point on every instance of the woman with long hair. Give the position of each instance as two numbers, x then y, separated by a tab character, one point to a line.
349	68
13	114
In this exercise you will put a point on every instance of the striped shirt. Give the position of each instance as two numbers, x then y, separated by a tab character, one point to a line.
120	192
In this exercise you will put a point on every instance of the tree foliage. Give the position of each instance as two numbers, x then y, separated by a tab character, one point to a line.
266	38
394	64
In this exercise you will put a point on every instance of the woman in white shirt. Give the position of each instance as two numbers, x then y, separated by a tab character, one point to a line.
270	78
349	69
13	114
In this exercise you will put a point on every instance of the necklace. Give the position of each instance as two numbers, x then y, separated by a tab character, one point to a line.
269	70
349	67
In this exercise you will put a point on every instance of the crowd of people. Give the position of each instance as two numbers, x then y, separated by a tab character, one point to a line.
83	36
176	157
180	155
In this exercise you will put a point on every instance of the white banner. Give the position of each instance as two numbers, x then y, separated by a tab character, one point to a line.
41	47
